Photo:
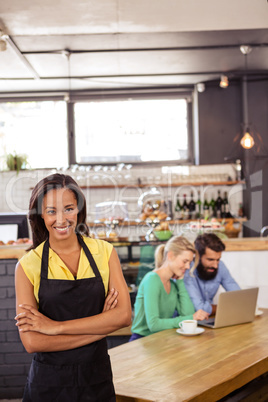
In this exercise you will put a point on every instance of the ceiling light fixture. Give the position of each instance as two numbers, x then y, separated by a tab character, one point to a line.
224	82
200	87
8	40
245	49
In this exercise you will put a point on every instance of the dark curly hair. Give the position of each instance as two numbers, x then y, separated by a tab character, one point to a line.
54	181
208	240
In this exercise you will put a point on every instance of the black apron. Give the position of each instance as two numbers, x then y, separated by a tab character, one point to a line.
75	375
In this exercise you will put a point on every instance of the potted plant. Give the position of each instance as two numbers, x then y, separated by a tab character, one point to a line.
16	162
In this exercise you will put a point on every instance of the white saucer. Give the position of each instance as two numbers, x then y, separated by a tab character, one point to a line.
258	312
197	332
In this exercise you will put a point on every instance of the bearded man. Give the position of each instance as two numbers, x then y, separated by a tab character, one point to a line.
203	284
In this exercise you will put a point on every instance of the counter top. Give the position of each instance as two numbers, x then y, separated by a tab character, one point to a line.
13	252
237	244
246	244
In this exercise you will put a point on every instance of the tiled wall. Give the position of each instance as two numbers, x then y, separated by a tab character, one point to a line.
15	189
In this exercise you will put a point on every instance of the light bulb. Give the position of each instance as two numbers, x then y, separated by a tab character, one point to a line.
224	83
247	141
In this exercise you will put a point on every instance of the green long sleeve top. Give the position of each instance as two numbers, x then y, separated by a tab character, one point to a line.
154	307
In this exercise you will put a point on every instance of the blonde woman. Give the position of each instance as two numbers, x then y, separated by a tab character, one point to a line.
162	291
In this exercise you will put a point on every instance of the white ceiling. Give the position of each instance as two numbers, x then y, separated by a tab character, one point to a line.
126	43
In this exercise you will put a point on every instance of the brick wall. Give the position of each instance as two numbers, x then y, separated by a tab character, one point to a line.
14	360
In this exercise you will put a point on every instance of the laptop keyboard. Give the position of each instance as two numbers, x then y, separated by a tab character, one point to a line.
210	321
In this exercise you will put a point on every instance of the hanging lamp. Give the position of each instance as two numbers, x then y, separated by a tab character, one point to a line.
67	54
247	141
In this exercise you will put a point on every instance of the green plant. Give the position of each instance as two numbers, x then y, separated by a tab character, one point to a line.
16	162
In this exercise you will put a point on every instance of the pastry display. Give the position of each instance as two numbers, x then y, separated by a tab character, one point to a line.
101	235
153	211
163	226
17	242
204	224
112	236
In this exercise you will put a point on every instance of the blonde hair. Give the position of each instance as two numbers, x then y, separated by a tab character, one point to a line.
177	244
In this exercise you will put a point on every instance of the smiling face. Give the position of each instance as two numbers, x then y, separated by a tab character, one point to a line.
208	266
180	263
59	211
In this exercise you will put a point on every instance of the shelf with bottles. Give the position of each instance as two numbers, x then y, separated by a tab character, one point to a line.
202	208
138	222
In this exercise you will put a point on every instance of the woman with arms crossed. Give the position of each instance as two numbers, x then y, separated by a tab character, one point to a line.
63	311
159	295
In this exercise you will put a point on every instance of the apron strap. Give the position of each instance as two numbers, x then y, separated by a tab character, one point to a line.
89	256
44	264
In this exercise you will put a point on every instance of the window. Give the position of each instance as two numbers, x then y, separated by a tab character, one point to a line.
129	131
37	130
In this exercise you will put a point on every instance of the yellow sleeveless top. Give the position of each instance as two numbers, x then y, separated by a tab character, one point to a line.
100	250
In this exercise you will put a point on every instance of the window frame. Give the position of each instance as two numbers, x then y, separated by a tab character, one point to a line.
126	95
112	95
44	97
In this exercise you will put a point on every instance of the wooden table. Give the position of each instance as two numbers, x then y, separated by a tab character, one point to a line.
167	366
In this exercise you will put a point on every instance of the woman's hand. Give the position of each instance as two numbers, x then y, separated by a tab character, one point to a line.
111	300
200	315
32	320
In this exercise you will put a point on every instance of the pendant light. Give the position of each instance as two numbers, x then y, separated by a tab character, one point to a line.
247	141
224	83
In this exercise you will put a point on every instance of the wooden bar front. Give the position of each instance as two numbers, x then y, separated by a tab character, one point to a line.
167	366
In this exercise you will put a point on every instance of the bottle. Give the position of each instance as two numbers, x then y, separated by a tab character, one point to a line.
178	209
191	207
212	208
206	208
238	169
169	209
225	210
198	205
240	211
185	208
218	205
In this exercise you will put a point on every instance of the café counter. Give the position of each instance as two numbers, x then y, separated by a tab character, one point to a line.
236	244
246	259
13	252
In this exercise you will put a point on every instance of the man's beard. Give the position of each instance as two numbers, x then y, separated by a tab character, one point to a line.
204	274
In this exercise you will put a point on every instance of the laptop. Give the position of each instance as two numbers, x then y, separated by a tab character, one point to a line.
234	307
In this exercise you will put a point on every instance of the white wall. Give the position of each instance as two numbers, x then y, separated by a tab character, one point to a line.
15	189
249	268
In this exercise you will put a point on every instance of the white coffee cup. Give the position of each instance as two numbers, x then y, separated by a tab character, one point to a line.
188	326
